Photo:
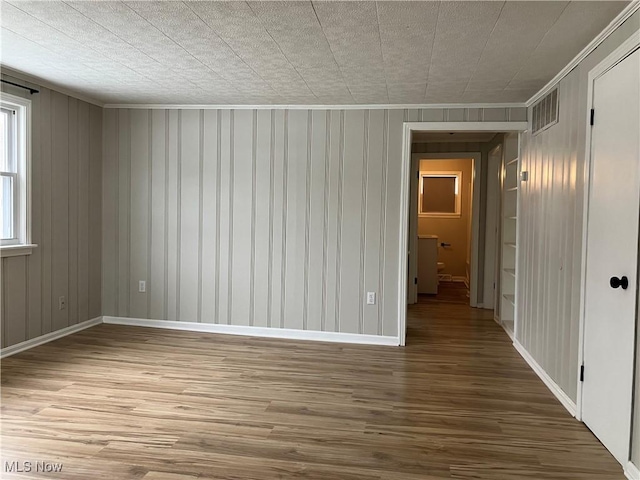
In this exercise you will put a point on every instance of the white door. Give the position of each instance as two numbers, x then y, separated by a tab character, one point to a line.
612	256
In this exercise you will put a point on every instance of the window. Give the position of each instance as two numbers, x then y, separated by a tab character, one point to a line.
439	194
14	173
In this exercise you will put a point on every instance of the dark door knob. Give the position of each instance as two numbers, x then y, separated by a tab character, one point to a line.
616	282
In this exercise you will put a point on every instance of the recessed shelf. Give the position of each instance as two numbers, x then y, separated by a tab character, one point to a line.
511	162
510	271
512	189
510	244
511	218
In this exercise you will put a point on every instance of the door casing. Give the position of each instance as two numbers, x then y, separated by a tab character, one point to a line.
405	185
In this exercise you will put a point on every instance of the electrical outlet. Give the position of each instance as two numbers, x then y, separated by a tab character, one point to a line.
371	298
142	286
62	303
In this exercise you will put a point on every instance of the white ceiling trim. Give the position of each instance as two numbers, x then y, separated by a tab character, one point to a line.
628	11
375	106
46	84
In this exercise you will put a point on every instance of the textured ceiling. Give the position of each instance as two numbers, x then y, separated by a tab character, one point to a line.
299	52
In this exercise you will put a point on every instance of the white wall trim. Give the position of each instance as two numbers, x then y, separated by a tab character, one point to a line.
631	471
244	330
551	385
601	37
17	250
405	182
611	60
49	337
370	106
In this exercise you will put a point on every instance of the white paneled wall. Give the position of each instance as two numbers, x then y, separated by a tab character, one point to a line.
551	223
66	210
267	218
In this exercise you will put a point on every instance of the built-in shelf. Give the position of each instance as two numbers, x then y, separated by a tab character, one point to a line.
510	183
510	298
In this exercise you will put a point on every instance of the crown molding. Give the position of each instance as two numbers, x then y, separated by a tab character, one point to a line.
384	106
623	16
39	82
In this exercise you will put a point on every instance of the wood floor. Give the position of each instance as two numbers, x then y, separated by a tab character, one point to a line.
458	402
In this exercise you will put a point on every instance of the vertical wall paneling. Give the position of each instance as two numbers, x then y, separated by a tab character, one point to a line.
278	215
110	204
210	207
383	219
295	219
171	216
66	141
307	220
551	207
371	220
60	209
139	211
262	213
45	247
392	223
271	218
72	235
124	212
240	236
156	285
352	210
189	215
316	225
225	218
95	207
254	179
339	216
14	301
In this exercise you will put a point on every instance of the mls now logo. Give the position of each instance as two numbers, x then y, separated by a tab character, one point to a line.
27	467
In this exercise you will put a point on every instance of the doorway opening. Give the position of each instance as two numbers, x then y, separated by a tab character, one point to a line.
444	225
453	191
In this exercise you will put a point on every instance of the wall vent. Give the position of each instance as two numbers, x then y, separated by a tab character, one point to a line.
545	112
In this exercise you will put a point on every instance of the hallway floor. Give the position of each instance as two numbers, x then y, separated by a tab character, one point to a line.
458	402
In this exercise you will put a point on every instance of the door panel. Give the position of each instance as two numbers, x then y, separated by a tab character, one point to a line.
612	251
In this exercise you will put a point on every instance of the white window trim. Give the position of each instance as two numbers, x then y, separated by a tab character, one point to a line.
458	176
22	244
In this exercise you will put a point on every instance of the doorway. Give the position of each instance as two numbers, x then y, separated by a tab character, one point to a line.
610	262
409	200
447	219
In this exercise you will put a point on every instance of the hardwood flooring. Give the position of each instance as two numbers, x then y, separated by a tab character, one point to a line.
457	402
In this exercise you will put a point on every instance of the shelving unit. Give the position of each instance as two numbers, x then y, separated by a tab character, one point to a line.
510	182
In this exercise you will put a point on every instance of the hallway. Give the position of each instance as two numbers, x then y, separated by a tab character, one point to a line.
458	402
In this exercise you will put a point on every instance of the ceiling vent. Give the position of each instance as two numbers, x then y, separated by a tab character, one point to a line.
545	112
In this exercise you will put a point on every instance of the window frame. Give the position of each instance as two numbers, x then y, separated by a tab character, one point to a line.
458	200
21	241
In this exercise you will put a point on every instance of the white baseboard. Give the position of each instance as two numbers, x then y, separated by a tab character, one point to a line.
256	331
551	385
631	471
48	337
